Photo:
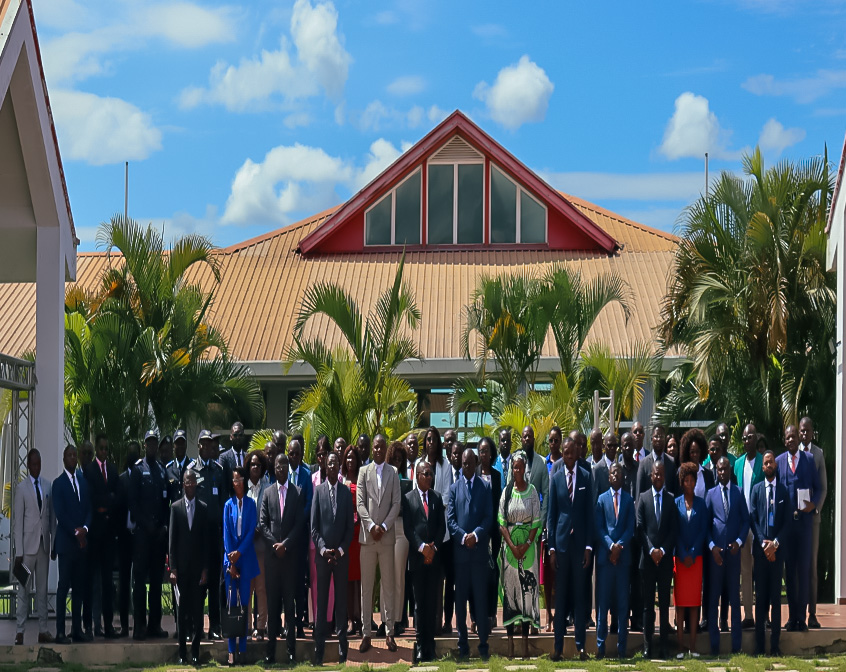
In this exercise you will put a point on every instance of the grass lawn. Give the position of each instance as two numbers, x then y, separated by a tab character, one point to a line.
834	663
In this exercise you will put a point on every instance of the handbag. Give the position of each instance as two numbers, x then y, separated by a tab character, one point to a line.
234	618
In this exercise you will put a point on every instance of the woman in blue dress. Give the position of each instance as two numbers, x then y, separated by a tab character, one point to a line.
240	564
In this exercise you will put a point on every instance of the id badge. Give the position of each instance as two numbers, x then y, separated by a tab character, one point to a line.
214	491
771	518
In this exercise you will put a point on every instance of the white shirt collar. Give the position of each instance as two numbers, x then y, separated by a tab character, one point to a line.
470	482
774	481
656	492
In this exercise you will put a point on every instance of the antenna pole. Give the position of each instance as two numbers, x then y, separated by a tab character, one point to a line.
706	175
126	190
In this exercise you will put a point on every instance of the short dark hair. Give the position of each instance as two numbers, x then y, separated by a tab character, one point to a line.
768	452
100	437
241	471
68	447
687	469
32	453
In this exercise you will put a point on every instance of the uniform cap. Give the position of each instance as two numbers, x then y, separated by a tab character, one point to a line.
204	434
151	434
179	434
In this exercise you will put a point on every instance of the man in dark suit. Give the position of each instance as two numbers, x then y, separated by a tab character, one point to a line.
235	455
332	532
657	526
281	522
570	531
769	513
188	552
798	473
175	469
644	471
425	527
148	503
125	527
103	479
615	524
626	459
729	527
469	519
300	475
72	508
211	490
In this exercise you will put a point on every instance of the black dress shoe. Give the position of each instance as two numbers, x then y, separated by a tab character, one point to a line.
747	624
583	655
724	626
802	627
215	635
813	622
342	660
78	638
703	625
647	652
269	660
182	661
556	657
156	633
139	636
111	633
300	632
98	632
776	652
62	639
195	661
87	636
790	626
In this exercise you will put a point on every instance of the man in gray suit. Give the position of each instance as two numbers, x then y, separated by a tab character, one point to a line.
332	532
378	503
536	471
33	523
806	438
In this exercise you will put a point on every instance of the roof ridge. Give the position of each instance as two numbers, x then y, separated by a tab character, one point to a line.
610	213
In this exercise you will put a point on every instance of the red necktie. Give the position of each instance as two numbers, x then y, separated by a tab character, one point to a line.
793	462
425	505
103	468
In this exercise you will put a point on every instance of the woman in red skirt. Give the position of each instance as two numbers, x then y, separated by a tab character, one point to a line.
690	545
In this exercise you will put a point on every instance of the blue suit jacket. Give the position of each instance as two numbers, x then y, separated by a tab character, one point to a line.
303	480
692	535
564	517
782	513
248	562
806	476
721	531
611	530
466	515
71	511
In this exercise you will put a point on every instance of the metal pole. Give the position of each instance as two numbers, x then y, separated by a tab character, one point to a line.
126	190
706	175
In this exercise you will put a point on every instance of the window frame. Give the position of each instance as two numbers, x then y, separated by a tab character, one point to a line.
485	197
393	196
519	189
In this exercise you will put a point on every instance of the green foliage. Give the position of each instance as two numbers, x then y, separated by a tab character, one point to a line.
140	351
356	389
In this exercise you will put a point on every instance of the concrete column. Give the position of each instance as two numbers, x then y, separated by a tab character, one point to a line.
50	353
839	500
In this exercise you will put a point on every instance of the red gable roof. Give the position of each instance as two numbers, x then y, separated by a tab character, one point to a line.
569	229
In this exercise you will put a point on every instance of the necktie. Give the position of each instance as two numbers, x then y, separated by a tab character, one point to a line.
425	505
658	506
726	501
332	499
637	456
103	469
455	476
190	514
73	482
616	507
281	501
793	462
469	489
570	484
38	494
239	457
770	509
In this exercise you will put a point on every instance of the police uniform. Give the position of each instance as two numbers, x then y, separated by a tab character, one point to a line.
211	491
148	504
175	471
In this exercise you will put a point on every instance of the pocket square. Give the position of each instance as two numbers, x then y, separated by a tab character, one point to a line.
781	501
582	488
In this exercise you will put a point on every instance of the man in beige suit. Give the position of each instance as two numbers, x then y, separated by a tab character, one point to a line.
33	522
806	443
378	503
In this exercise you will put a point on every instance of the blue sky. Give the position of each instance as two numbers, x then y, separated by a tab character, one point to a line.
240	119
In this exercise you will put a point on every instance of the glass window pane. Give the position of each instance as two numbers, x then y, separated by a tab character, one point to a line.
532	220
407	225
440	204
503	208
470	181
378	223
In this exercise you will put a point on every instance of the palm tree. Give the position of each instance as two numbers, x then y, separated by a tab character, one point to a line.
750	300
357	386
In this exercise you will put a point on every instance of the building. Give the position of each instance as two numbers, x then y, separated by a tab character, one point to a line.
836	230
461	205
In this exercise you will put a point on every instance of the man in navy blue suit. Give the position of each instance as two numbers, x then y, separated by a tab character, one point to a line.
729	527
798	473
300	475
615	524
72	506
770	512
570	532
469	519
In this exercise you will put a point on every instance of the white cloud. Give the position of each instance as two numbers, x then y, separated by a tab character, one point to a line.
298	179
802	90
281	78
407	85
102	130
519	95
775	138
75	56
629	187
377	116
693	130
296	119
319	45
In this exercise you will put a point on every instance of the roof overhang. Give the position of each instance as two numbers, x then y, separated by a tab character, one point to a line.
457	124
33	192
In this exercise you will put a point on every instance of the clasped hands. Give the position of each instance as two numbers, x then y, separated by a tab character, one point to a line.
428	553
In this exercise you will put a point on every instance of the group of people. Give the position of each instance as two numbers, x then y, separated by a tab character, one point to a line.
600	528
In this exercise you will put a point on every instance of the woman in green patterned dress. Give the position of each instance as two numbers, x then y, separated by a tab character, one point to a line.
520	523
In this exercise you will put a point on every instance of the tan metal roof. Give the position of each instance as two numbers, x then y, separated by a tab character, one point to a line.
264	278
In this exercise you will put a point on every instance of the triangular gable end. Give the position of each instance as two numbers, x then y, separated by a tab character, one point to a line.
457	140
